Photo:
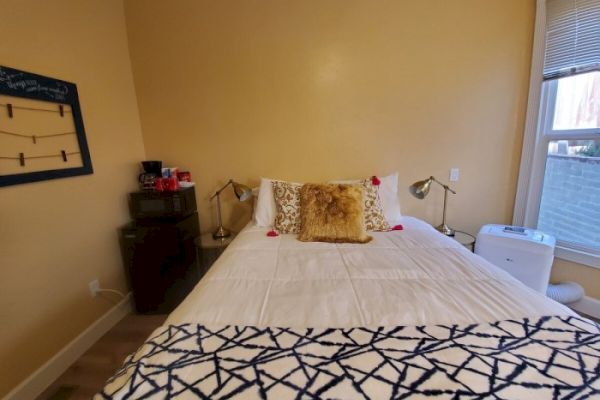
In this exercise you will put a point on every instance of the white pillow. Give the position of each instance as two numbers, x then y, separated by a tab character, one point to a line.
388	192
264	210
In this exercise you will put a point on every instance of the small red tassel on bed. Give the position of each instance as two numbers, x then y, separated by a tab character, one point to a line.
398	228
272	233
375	180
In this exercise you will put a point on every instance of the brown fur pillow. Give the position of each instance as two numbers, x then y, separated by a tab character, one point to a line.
332	213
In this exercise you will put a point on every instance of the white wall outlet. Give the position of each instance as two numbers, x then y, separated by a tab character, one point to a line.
454	173
94	286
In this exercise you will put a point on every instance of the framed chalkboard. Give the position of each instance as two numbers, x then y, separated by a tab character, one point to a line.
41	129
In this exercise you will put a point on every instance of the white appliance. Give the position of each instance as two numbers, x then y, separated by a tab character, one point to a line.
524	253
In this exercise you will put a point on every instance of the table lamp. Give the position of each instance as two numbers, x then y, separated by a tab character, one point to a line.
421	188
242	192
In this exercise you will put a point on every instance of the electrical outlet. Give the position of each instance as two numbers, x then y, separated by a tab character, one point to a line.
94	287
454	173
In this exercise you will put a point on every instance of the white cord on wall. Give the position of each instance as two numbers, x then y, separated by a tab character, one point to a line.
95	289
111	291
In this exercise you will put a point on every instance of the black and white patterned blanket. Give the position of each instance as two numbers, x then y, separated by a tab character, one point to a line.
539	358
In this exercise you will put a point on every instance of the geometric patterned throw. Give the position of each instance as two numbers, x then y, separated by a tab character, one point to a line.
536	358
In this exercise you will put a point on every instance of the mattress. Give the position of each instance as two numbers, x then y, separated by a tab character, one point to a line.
410	314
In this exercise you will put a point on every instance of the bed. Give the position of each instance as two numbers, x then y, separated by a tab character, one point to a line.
411	314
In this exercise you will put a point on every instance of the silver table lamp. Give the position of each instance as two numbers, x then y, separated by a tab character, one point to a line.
242	192
421	188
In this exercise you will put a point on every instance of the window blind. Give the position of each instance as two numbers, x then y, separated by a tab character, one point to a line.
572	37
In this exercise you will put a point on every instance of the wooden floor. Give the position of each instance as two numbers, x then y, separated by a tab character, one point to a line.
88	374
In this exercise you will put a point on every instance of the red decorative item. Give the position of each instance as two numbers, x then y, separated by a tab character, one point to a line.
184	176
398	228
375	180
272	233
172	184
159	185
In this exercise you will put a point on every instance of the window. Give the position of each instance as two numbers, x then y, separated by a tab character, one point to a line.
577	104
559	182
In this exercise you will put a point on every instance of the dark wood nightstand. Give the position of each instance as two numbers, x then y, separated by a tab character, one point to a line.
210	249
160	260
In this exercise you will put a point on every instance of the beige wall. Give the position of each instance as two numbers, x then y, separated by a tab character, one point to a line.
58	235
312	90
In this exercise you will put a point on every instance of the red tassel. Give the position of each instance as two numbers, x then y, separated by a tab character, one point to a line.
398	228
272	233
375	180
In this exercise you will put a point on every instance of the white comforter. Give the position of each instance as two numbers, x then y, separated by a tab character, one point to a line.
416	276
412	314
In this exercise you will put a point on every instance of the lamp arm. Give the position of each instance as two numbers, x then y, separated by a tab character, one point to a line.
446	187
218	192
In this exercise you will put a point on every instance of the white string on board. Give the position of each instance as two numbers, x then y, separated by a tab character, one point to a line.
35	138
21	158
10	107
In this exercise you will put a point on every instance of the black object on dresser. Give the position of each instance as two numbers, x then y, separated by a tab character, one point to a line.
151	205
159	254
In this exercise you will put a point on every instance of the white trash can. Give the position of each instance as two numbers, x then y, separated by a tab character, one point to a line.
524	253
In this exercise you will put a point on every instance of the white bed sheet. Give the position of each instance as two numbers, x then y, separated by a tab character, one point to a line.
416	276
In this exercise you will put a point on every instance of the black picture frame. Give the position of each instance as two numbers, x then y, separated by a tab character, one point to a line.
16	83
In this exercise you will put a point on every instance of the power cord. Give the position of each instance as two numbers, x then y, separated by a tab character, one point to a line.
99	290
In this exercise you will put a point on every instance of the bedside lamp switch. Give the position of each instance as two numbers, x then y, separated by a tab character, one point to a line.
454	173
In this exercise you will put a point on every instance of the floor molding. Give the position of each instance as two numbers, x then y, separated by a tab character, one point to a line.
587	305
43	377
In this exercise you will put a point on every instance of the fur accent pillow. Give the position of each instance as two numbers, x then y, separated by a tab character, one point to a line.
287	204
332	213
374	217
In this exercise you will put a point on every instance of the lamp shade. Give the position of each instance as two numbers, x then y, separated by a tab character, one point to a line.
421	188
242	192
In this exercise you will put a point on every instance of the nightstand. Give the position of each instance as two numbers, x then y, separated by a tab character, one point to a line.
160	260
464	238
210	249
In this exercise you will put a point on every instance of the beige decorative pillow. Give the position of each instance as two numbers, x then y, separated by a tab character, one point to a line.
374	217
287	204
332	213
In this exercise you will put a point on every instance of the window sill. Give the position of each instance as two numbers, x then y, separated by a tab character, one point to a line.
578	256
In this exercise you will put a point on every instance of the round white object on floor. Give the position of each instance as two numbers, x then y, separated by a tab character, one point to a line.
565	292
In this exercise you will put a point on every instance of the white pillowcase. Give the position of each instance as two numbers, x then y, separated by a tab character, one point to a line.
254	202
388	193
264	210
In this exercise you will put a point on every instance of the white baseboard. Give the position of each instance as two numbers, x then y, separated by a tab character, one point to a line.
43	377
588	305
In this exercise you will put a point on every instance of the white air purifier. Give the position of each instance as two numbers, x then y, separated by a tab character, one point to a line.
524	253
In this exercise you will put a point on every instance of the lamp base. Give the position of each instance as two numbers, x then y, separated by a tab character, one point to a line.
221	233
445	229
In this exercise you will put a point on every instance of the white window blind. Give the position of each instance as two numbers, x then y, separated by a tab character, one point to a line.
572	37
